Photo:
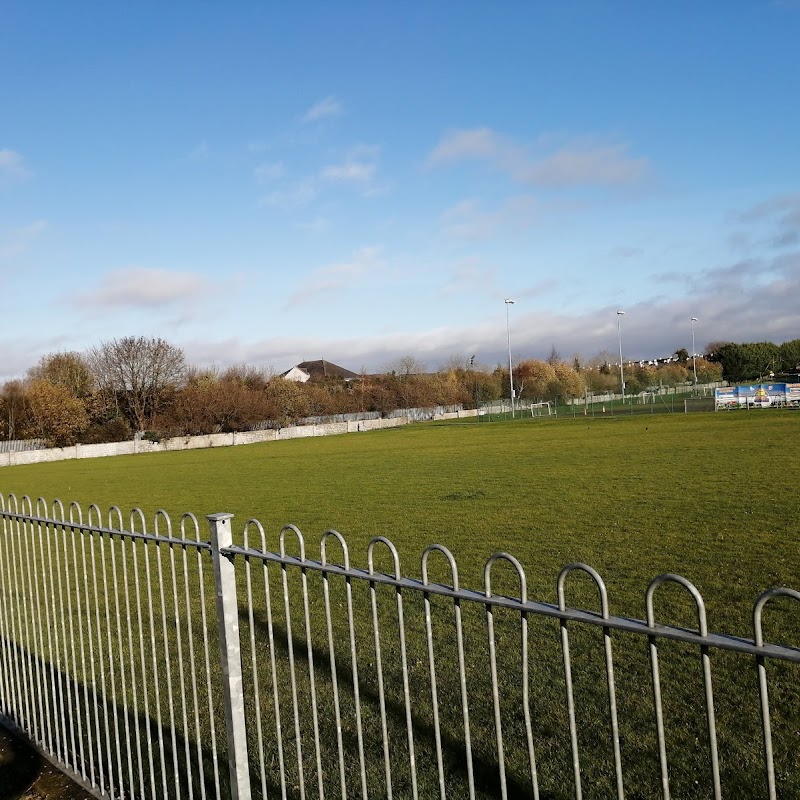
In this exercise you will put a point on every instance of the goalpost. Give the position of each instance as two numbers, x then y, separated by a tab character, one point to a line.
541	409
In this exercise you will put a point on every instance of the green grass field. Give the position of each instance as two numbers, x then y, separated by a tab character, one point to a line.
710	496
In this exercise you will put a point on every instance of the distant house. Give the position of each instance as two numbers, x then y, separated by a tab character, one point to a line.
317	370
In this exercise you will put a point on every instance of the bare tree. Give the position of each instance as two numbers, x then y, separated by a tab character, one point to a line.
554	357
12	408
248	376
407	365
457	362
138	373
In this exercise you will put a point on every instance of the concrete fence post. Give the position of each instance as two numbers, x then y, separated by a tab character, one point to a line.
230	654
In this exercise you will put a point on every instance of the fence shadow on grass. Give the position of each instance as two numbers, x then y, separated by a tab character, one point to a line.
486	774
70	698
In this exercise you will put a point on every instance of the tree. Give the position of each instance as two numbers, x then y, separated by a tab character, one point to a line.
284	402
69	369
733	361
407	365
707	372
138	373
207	404
534	379
673	374
647	376
601	372
713	348
457	363
12	409
682	355
247	375
569	382
789	355
762	359
746	362
636	380
53	414
486	386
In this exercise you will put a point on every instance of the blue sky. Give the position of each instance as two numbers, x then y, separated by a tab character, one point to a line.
269	183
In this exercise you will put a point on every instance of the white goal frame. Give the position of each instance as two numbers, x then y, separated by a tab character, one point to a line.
544	409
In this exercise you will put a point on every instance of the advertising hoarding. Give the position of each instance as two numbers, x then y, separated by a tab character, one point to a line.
758	395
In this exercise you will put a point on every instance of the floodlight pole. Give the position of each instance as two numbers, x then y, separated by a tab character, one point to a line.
620	315
510	370
694	358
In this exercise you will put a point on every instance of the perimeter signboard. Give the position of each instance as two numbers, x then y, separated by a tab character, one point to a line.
758	395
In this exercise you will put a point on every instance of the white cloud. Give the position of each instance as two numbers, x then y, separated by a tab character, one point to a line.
781	214
625	251
333	278
590	164
544	286
324	109
579	162
292	197
349	171
471	276
21	353
18	241
12	168
762	308
316	226
142	287
358	166
378	190
750	275
467	220
199	152
461	145
270	171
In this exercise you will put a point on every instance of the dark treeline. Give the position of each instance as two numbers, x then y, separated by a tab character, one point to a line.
138	384
756	361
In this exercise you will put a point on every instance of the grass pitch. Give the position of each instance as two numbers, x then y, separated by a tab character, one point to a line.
709	496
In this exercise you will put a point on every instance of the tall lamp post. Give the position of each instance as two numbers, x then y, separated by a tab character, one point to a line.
510	371
620	315
694	357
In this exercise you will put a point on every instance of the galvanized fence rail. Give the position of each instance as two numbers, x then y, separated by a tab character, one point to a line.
106	654
154	663
21	445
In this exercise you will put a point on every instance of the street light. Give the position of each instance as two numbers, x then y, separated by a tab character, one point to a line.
620	315
694	358
510	372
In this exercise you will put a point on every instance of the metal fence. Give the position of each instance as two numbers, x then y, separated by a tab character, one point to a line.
21	445
423	414
153	662
354	416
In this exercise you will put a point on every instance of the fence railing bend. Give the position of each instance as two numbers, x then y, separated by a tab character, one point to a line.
151	663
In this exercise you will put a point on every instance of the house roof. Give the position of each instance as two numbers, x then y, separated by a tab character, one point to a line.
317	370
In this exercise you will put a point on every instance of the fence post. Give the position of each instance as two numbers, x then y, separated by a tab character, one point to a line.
230	653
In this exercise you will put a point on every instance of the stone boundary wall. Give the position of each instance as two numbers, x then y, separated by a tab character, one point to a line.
210	440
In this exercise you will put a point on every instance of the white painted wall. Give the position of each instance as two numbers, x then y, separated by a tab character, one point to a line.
196	442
